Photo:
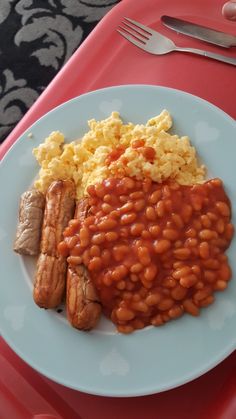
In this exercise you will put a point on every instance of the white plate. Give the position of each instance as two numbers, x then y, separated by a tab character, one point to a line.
102	361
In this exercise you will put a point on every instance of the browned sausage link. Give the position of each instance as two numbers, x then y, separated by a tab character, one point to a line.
83	305
50	277
28	233
49	284
59	209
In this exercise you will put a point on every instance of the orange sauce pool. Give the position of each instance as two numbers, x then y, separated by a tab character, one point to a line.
154	251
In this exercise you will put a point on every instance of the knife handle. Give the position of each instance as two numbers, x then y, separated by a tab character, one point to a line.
218	57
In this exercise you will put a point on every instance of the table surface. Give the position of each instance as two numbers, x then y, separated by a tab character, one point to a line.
114	62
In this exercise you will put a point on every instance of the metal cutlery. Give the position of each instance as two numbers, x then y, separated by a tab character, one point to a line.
203	33
153	42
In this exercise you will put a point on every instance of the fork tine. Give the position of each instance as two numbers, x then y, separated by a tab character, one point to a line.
133	33
131	39
140	26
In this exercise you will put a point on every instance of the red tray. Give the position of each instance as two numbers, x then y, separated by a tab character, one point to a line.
104	59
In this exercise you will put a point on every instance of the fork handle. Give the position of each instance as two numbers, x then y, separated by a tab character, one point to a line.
219	57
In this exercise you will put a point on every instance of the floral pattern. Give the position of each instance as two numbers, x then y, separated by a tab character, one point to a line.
37	37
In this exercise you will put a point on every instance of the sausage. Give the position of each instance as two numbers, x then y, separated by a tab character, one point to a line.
28	233
82	301
83	305
50	277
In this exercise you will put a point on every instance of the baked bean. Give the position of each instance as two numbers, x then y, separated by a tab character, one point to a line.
124	198
154	197
160	209
197	224
98	238
107	279
188	281
169	282
182	253
92	228
150	272
108	198
95	264
120	272
107	208
168	205
74	260
190	232
175	312
207	234
183	271
106	256
72	241
178	264
190	307
128	218
124	314
229	231
137	195
126	207
119	252
124	232
147	183
140	306
86	257
146	235
134	277
136	268
177	220
144	255
191	243
225	272
196	201
63	249
165	304
107	224
186	212
206	301
84	236
220	226
150	214
178	244
77	250
128	183
121	285
206	222
89	220
126	329
211	264
178	293
100	190
220	285
170	234
154	230
139	205
212	216
204	250
196	270
136	229
138	324
223	208
161	246
157	320
95	250
202	294
210	276
153	299
111	236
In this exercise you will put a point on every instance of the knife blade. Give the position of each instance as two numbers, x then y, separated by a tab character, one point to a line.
200	32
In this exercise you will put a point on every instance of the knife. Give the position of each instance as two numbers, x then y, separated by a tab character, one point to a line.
200	32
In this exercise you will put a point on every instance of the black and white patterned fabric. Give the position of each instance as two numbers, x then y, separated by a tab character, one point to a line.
37	37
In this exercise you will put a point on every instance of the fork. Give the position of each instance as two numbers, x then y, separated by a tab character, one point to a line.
152	41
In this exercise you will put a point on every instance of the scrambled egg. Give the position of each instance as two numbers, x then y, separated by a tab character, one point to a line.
113	149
